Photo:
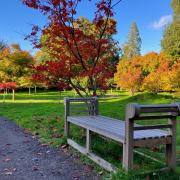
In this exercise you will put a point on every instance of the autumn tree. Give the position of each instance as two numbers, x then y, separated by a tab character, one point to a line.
15	64
129	75
132	47
79	48
152	72
171	36
41	57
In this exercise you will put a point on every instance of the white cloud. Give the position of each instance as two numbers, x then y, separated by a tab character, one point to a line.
163	20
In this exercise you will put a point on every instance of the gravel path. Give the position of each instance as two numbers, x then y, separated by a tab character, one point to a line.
22	157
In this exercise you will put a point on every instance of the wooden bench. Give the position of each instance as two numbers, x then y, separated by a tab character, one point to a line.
126	132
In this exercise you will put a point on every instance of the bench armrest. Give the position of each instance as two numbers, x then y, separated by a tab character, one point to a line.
151	112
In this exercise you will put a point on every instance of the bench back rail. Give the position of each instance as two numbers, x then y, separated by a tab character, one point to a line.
74	106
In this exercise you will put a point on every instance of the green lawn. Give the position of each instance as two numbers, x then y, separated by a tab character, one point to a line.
42	114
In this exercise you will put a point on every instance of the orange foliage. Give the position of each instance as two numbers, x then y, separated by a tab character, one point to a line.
152	72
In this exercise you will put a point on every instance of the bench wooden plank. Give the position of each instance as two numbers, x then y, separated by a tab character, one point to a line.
97	129
113	128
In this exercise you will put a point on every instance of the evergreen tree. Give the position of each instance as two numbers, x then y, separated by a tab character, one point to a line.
132	47
175	4
2	45
171	39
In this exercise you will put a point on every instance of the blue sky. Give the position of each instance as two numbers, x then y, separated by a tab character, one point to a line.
150	15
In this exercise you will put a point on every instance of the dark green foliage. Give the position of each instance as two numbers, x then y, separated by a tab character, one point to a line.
171	38
175	4
132	47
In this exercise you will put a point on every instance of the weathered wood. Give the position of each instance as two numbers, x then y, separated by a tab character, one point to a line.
128	145
89	105
152	117
106	165
112	128
96	127
126	132
67	113
159	126
171	148
135	109
152	142
88	140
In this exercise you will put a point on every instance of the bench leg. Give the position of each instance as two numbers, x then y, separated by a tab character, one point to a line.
88	140
67	129
171	156
127	157
171	148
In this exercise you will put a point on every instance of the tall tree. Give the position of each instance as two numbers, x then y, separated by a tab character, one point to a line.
81	51
2	45
132	47
171	37
175	4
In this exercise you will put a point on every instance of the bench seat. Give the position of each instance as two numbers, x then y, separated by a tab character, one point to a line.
113	128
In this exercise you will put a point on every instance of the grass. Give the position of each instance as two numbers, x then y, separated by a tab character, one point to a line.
42	114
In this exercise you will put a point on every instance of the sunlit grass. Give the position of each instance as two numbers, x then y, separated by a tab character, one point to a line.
43	115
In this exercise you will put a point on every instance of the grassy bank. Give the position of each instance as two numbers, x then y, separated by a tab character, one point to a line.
42	114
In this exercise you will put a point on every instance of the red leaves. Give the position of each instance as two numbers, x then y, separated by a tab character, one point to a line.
8	85
31	3
61	85
78	47
56	2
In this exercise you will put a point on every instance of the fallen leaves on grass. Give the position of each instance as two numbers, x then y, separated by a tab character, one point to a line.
100	173
155	149
8	144
6	159
64	146
35	168
9	171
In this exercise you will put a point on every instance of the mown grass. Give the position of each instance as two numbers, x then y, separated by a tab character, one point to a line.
42	114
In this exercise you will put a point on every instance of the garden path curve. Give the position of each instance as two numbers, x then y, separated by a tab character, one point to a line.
22	157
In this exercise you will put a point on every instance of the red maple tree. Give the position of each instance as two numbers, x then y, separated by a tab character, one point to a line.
80	50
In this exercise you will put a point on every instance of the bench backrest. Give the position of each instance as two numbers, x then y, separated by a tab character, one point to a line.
77	106
151	112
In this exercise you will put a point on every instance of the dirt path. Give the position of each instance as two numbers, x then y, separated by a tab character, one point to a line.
22	157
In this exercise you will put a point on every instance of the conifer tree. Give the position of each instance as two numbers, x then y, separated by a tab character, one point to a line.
171	38
132	47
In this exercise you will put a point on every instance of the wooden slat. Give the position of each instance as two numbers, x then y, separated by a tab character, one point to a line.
158	108
91	99
100	130
79	105
160	126
106	165
152	117
152	142
79	111
134	109
112	128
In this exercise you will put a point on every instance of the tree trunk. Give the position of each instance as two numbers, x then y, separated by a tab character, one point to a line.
29	90
132	91
35	90
4	96
13	94
59	97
